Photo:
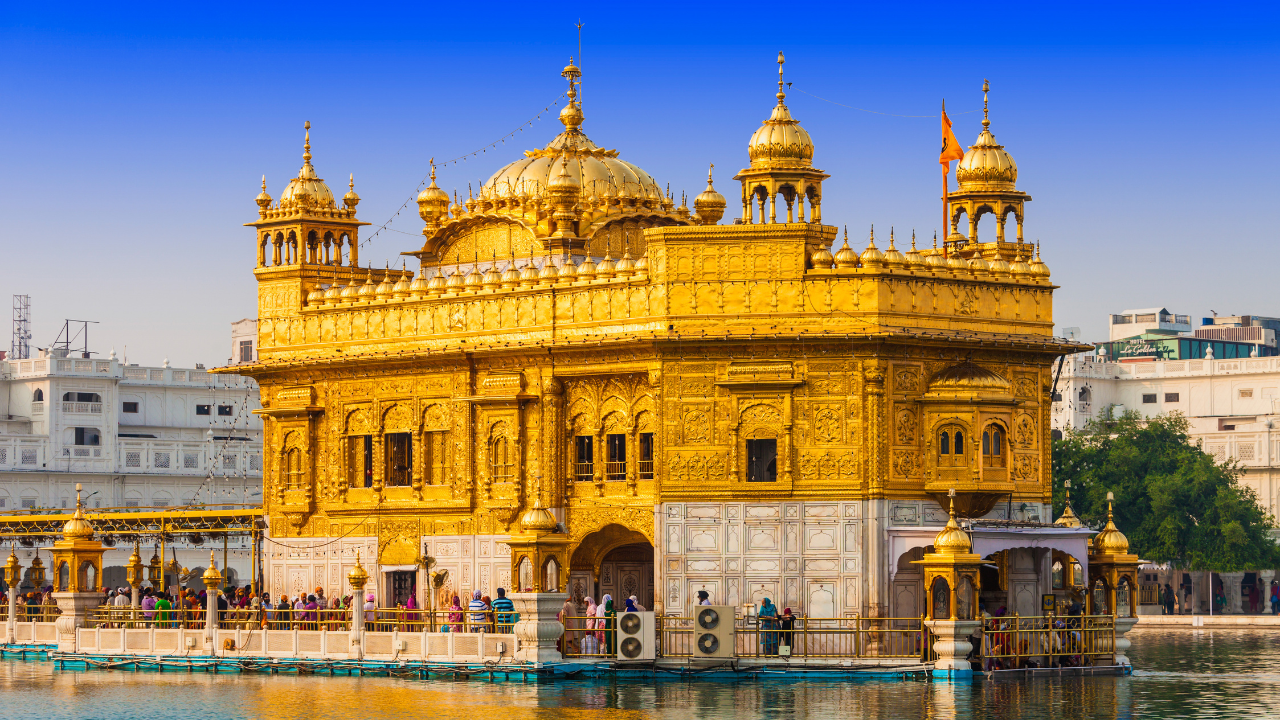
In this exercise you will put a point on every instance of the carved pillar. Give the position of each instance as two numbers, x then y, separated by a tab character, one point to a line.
417	471
275	250
552	467
538	628
379	456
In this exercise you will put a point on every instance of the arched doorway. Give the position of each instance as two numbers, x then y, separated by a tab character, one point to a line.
613	561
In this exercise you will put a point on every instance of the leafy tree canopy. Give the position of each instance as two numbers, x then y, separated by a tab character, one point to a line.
1173	502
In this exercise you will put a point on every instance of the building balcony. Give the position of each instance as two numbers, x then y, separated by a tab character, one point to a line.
82	407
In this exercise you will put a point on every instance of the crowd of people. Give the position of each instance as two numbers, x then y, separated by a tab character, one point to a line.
33	605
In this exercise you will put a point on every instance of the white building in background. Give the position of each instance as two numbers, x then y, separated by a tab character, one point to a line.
1232	405
134	437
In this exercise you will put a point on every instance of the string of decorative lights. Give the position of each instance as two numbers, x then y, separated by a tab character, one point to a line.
461	158
875	112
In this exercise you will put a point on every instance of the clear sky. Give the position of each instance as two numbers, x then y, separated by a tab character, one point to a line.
133	136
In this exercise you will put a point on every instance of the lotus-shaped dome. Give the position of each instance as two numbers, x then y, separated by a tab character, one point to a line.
968	376
308	188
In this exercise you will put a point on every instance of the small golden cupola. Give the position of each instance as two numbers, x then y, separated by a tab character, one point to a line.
987	177
1068	519
709	204
433	203
308	190
1110	541
781	154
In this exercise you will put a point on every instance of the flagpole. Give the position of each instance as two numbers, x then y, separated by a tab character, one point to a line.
945	191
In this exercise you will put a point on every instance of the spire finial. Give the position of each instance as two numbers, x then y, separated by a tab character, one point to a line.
264	183
913	239
935	239
986	87
873	236
781	60
891	247
306	143
351	182
1037	248
846	236
433	170
713	167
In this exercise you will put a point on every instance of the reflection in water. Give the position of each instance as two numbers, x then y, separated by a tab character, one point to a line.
1201	674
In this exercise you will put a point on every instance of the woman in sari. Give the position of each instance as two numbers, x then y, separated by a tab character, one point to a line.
411	614
588	644
601	624
455	616
610	626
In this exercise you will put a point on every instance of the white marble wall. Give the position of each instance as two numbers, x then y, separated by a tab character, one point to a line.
804	555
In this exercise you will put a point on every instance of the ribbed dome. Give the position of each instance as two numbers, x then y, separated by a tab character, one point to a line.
967	375
308	188
597	171
986	165
952	540
1110	541
710	204
780	141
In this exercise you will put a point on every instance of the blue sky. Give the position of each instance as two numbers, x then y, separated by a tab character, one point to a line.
132	138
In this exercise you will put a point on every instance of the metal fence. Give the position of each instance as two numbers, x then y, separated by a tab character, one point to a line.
806	637
32	613
1047	641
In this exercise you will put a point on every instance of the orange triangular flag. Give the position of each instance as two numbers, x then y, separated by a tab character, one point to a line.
951	148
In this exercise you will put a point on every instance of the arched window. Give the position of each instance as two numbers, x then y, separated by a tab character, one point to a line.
993	451
501	469
951	447
38	396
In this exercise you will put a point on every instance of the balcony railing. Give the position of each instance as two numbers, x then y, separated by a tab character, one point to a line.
615	471
585	472
646	469
82	407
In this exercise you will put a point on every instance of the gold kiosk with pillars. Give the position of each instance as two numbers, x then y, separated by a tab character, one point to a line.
1113	581
951	581
77	569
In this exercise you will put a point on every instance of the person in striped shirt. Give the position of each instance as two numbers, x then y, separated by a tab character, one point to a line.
504	610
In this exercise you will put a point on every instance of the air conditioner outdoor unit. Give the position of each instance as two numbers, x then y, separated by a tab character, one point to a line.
637	636
713	631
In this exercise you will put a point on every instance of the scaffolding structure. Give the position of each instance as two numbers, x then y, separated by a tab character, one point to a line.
20	346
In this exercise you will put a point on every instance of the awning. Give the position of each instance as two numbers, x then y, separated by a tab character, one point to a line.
988	540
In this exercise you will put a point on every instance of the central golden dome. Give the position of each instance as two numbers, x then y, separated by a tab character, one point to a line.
599	172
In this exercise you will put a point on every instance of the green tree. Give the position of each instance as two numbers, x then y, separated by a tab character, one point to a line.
1173	502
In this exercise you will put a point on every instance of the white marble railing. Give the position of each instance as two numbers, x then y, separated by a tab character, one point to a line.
333	645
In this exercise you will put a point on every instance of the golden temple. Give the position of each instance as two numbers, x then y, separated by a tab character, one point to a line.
586	387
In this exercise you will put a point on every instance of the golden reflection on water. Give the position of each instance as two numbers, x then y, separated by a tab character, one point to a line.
1201	674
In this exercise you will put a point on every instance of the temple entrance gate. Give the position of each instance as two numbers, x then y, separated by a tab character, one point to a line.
612	561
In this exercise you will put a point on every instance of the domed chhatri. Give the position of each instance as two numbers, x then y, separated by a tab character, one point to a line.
987	183
781	154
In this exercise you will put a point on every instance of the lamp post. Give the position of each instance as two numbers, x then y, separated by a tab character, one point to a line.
212	579
133	574
358	577
12	576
